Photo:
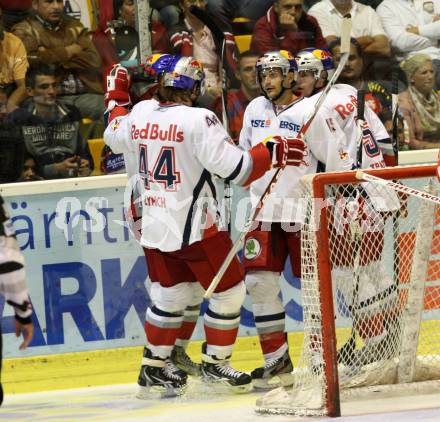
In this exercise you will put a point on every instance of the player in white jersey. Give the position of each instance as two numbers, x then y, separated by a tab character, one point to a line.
339	111
277	236
118	88
375	287
177	148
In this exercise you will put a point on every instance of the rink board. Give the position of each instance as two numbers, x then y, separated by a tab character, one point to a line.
87	281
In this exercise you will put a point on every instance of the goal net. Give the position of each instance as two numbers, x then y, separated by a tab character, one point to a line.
370	286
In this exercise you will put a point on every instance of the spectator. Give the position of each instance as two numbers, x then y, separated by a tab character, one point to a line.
50	129
13	65
53	38
420	104
192	38
169	11
11	146
227	10
372	3
118	42
366	28
376	95
430	10
309	3
15	11
408	32
29	171
286	27
238	100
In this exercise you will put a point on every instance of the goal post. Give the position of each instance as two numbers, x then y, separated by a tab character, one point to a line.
370	287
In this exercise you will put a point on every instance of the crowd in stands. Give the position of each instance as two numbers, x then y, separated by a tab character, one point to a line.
53	68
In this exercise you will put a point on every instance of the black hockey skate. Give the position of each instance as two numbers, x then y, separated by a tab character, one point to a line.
275	373
219	371
161	377
180	358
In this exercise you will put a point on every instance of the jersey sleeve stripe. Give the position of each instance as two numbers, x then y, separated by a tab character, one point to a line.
236	171
205	177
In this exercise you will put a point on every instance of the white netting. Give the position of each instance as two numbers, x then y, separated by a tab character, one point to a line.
386	292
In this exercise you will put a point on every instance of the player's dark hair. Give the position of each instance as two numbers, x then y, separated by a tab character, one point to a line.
176	95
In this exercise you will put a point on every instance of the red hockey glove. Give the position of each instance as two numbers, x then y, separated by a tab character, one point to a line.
285	151
117	91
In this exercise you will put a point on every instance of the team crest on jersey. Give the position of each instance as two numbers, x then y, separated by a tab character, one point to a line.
252	248
115	123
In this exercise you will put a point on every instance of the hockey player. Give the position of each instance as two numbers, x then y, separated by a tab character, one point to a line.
315	68
118	94
376	294
13	282
177	147
277	236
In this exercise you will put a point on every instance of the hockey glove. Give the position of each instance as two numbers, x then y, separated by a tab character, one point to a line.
285	151
117	91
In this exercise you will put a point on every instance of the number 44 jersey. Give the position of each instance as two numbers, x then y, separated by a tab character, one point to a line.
176	149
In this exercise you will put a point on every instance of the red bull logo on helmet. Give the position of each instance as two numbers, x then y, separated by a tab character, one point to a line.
321	54
286	54
196	64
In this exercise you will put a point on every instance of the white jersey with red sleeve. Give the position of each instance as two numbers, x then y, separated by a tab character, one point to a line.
339	112
260	121
177	148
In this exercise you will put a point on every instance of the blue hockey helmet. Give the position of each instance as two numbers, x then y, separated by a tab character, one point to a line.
184	73
157	64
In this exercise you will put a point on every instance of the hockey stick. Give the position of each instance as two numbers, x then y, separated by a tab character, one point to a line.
220	40
395	144
345	51
349	347
394	116
361	175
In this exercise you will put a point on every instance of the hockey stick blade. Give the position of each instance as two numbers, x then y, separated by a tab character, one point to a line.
360	175
344	57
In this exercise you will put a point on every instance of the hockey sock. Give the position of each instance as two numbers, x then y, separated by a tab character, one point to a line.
190	316
162	329
220	331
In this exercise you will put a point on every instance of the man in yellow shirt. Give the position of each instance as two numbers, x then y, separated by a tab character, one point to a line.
13	66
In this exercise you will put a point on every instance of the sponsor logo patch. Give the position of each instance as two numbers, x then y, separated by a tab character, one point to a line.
260	123
252	248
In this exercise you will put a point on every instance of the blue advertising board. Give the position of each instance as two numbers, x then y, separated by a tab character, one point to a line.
87	275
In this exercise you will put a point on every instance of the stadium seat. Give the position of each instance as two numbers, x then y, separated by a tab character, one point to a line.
243	42
95	147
